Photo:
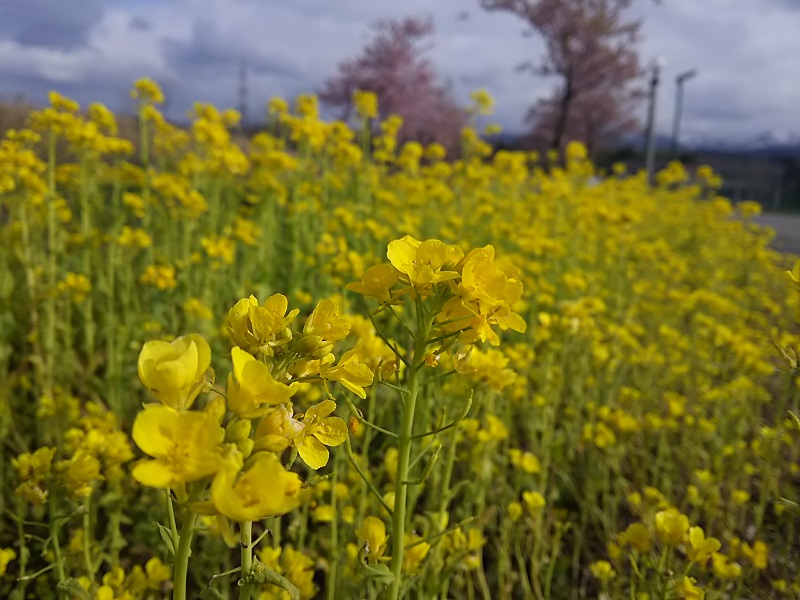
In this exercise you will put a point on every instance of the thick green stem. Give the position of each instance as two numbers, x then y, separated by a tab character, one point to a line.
330	585
88	538
246	534
182	555
55	529
404	453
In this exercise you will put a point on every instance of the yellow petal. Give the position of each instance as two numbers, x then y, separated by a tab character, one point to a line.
313	452
240	358
203	354
277	305
153	429
323	409
152	352
331	432
153	473
401	253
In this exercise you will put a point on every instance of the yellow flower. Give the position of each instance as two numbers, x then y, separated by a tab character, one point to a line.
637	537
175	371
251	387
157	573
159	276
484	103
689	590
422	263
77	285
366	104
351	373
524	461
758	554
724	568
514	511
413	557
184	446
80	472
277	106
495	430
319	430
671	526
794	274
6	556
277	429
602	570
373	533
326	323
376	282
324	514
32	470
148	91
701	548
259	328
195	308
265	489
105	592
534	501
299	569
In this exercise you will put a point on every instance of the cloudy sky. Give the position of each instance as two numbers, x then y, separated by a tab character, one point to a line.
747	53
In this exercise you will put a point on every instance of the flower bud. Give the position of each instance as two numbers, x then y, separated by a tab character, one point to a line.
237	431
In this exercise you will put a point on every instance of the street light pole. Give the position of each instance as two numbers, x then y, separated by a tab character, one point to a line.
650	148
676	123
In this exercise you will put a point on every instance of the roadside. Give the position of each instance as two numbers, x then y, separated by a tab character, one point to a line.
787	228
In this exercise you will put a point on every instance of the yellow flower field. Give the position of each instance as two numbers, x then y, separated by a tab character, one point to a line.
317	363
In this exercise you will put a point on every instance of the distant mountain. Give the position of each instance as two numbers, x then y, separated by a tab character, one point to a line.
767	144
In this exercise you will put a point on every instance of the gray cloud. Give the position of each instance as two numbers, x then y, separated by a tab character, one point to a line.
213	51
50	23
140	23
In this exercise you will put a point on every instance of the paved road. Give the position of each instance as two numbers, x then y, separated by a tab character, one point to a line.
788	229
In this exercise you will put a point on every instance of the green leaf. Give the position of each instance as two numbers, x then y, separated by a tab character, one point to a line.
166	535
379	573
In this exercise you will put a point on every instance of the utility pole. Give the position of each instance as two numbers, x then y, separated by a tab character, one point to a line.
676	123
650	148
243	93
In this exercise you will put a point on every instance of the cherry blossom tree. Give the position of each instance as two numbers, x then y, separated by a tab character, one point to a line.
394	67
591	47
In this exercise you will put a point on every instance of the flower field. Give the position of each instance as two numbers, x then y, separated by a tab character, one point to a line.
317	363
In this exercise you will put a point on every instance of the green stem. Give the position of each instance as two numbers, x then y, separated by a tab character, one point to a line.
55	529
182	555
23	550
404	454
330	585
246	533
173	526
88	538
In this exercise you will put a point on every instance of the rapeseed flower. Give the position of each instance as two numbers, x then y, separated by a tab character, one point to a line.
182	446
425	263
349	371
263	489
373	533
251	387
671	526
319	430
175	372
701	548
